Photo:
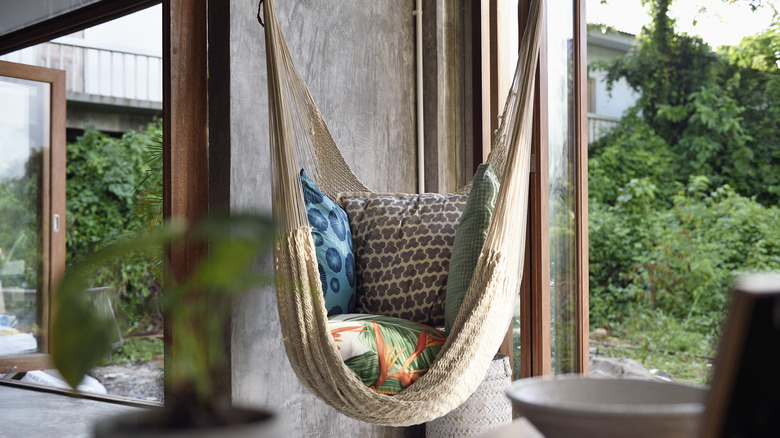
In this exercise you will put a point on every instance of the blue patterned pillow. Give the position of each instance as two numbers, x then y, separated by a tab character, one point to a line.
333	242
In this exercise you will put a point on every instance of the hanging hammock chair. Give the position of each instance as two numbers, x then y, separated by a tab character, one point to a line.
299	138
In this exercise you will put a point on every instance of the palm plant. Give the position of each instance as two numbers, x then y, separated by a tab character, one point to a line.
148	207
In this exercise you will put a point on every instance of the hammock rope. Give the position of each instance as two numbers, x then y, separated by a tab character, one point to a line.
299	138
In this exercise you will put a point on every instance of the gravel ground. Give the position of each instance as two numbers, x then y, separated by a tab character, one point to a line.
142	381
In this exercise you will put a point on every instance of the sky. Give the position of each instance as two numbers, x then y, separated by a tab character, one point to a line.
141	30
720	23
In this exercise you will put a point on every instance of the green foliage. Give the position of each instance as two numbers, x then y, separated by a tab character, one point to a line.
235	245
684	193
718	113
632	151
148	207
681	259
102	172
665	68
661	342
19	233
671	268
104	178
134	351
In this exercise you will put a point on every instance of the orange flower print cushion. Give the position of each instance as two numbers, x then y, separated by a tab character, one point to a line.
388	354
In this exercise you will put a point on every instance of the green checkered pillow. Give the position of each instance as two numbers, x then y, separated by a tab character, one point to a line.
469	238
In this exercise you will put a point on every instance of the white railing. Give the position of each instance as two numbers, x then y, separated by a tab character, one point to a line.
93	69
599	125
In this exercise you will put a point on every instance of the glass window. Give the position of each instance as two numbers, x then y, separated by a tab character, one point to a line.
24	136
562	145
30	208
549	323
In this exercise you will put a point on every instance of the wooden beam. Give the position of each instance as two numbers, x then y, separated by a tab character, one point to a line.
219	152
185	146
535	288
25	362
486	134
539	208
106	398
493	109
581	164
69	22
57	174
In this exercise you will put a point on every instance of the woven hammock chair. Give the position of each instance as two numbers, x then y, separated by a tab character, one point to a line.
299	138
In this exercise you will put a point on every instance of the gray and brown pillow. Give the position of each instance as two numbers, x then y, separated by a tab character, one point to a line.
402	246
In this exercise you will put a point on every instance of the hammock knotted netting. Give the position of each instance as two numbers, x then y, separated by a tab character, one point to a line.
299	138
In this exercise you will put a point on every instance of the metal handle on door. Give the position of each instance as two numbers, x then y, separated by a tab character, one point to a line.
55	223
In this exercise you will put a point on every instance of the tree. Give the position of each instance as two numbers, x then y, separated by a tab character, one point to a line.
105	179
717	112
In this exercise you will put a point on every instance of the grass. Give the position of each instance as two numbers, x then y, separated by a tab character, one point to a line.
134	351
681	351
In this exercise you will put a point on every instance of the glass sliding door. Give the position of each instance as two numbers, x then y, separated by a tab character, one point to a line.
566	152
562	184
32	216
550	329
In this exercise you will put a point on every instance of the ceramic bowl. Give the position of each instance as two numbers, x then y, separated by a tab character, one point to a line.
577	406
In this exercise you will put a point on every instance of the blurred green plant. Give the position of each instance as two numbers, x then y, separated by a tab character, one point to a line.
235	244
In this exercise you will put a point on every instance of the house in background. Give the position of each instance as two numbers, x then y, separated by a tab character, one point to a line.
606	107
112	87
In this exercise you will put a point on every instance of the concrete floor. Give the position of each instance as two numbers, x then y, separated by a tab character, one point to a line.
33	414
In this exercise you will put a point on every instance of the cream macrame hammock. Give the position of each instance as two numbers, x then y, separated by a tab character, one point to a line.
300	139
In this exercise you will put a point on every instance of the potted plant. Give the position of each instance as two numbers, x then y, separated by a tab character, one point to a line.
81	336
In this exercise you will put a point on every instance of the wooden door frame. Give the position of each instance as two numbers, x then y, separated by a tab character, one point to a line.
185	109
581	131
535	288
53	179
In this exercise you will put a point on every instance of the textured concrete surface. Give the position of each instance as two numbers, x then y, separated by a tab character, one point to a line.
33	414
618	367
358	59
108	118
443	81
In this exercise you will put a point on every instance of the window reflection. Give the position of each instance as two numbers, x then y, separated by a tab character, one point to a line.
562	174
24	138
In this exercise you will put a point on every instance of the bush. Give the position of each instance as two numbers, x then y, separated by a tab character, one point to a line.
104	176
683	194
681	260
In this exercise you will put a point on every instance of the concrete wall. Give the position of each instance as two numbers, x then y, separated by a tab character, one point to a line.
358	59
108	118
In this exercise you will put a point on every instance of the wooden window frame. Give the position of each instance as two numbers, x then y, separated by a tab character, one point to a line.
185	109
535	289
53	180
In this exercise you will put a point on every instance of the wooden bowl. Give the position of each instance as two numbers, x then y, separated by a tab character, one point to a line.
578	406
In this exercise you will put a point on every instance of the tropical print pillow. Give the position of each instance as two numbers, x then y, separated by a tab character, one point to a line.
388	354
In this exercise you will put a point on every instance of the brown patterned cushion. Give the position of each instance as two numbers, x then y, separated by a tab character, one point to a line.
402	252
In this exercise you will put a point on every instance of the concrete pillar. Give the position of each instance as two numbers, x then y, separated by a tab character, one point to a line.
358	59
